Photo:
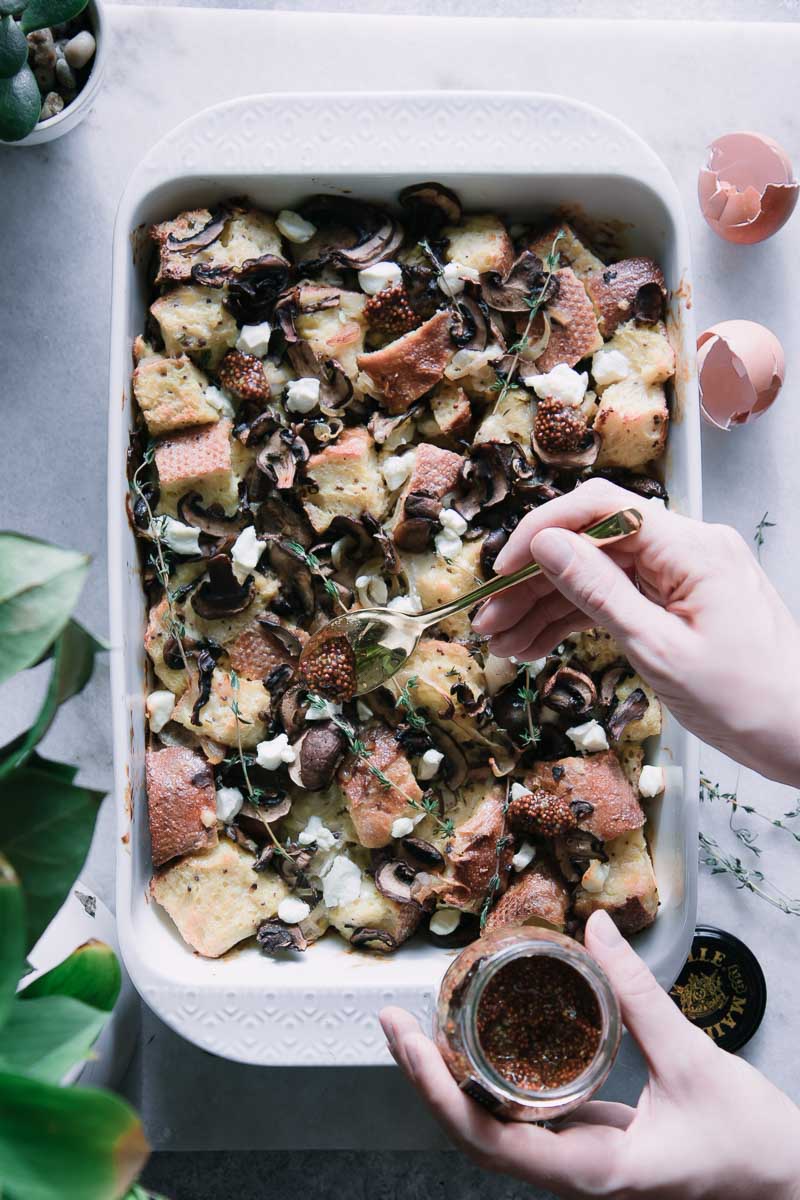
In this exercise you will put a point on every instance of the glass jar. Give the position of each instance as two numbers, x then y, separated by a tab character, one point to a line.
456	1026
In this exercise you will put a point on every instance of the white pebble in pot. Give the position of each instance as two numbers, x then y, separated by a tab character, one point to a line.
80	49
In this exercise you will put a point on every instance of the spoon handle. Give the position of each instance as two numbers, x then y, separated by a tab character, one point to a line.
619	525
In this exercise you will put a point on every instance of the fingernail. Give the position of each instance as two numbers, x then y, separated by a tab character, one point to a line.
481	616
553	550
604	929
389	1030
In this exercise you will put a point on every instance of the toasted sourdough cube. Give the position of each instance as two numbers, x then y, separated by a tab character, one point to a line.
509	420
373	806
216	899
412	364
538	896
598	779
647	349
194	454
437	667
246	234
629	894
470	853
181	802
631	759
632	422
372	910
569	247
347	481
171	394
595	648
614	290
573	330
480	242
194	321
451	410
437	581
217	718
649	724
435	471
337	332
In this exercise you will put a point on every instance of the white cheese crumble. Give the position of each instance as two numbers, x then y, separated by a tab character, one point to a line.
324	711
402	827
371	589
524	856
517	790
397	469
379	277
447	544
247	549
562	384
652	782
273	753
183	539
452	520
315	831
254	339
302	395
445	921
590	736
342	883
229	803
609	366
451	280
159	707
292	910
363	710
429	764
294	227
219	401
595	876
411	605
470	362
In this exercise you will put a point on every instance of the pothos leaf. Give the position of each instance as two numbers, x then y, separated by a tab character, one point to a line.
39	587
39	13
90	974
46	1036
12	937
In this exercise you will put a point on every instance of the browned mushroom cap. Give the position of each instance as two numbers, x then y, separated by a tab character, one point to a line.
575	850
200	239
221	594
632	288
570	460
286	638
470	327
370	233
212	520
394	879
366	938
317	755
254	290
207	656
422	853
281	457
292	710
513	292
335	388
297	594
492	545
569	691
632	708
642	485
273	936
256	819
277	516
430	206
510	712
382	426
420	515
489	474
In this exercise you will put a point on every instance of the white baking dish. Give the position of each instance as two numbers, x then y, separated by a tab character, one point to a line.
520	154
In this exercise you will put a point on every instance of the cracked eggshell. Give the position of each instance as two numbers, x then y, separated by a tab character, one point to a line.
740	368
747	189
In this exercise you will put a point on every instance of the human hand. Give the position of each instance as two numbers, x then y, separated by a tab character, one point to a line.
705	627
707	1126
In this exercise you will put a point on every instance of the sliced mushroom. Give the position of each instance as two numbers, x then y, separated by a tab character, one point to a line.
414	532
221	594
212	520
489	474
286	638
465	932
366	938
292	710
271	807
469	328
641	485
145	503
575	850
297	582
394	879
391	563
303	298
609	681
281	457
525	280
510	712
206	662
254	423
632	708
254	290
385	429
200	239
423	854
274	936
375	234
570	691
277	516
570	460
317	755
492	545
335	387
430	206
454	768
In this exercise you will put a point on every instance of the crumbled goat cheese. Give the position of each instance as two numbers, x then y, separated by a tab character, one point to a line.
562	383
294	227
315	831
517	790
452	520
402	827
272	753
254	339
292	910
363	711
429	764
371	589
451	280
302	395
183	539
595	876
324	711
378	277
589	736
342	883
247	549
445	921
220	402
609	366
471	362
397	469
652	782
411	605
524	856
447	544
229	802
159	707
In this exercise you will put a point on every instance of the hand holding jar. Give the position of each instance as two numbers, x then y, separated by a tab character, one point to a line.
707	1124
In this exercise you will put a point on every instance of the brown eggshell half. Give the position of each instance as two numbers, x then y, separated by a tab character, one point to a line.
741	369
747	189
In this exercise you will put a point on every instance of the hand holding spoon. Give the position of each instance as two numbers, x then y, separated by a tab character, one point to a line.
360	650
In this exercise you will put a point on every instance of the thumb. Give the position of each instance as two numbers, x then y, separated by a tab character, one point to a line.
594	583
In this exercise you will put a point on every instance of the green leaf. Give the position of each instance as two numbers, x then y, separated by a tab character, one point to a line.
8	8
73	662
66	1143
39	13
44	1037
46	826
20	108
13	47
65	772
91	974
39	583
12	936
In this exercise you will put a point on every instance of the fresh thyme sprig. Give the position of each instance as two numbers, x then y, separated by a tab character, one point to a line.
748	878
253	794
529	695
711	791
415	718
758	536
534	306
315	566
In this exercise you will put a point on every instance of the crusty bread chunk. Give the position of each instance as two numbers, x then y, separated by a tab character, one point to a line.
246	234
194	321
217	718
573	330
451	410
614	290
572	251
171	394
629	894
437	581
595	648
336	332
481	242
372	910
194	454
471	852
537	896
437	667
181	802
435	471
373	806
598	779
216	899
347	481
647	349
411	365
256	651
509	420
632	422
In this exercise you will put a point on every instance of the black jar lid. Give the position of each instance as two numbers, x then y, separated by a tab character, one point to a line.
721	989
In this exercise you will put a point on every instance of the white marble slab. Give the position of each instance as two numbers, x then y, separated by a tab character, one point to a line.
679	85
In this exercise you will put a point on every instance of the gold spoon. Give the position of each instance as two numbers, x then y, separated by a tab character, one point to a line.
360	650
